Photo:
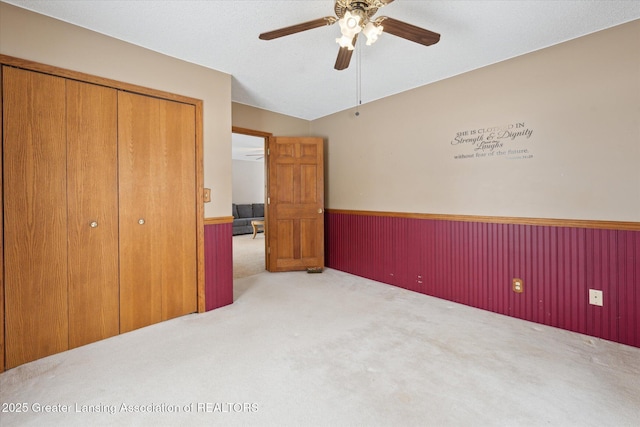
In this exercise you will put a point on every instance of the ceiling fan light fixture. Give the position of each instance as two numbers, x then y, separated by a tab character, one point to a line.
350	24
372	32
354	17
345	41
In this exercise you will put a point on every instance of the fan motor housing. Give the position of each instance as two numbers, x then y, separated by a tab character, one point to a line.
368	7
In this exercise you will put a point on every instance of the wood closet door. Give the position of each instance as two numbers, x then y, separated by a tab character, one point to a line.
157	191
93	212
35	215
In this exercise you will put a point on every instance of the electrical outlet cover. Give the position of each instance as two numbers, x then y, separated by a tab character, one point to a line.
517	285
595	297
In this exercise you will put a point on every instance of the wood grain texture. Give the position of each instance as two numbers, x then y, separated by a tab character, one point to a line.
178	215
88	78
84	161
553	222
218	220
304	26
295	219
409	31
344	57
35	216
158	263
140	266
251	132
199	177
74	75
92	190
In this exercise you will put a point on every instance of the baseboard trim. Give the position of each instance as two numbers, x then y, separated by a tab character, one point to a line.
553	222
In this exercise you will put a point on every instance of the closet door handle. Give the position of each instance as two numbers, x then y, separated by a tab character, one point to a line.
93	224
141	221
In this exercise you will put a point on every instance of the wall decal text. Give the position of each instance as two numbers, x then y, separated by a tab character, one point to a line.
512	142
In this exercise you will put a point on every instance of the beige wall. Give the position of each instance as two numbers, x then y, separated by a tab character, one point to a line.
31	36
248	181
580	99
277	124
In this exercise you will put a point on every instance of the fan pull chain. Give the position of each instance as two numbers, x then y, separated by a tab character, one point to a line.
358	80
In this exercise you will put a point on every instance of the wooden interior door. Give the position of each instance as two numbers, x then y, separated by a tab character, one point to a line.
157	200
35	215
295	212
92	191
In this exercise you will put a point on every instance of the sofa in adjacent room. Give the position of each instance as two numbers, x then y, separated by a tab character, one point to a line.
243	214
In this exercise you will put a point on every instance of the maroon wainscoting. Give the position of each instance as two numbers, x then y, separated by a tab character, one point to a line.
473	263
218	265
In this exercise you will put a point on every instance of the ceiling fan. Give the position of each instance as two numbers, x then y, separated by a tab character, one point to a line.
355	17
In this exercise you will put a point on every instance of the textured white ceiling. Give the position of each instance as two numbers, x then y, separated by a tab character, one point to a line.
294	75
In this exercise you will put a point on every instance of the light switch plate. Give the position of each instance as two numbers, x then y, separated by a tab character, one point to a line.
595	297
207	195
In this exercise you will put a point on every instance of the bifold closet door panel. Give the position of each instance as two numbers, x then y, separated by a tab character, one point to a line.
93	212
35	215
156	158
140	263
178	194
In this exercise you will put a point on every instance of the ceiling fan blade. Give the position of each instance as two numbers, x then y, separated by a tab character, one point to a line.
344	56
408	31
343	59
321	22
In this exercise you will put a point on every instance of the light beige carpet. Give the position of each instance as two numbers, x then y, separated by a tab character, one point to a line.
332	349
248	255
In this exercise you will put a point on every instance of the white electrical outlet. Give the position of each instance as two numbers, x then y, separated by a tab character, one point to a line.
595	297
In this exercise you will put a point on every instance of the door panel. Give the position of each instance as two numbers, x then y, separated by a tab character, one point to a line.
308	245
35	215
93	198
140	265
178	201
295	219
285	248
308	191
285	188
157	205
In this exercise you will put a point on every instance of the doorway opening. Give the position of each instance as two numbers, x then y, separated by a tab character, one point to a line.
249	201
